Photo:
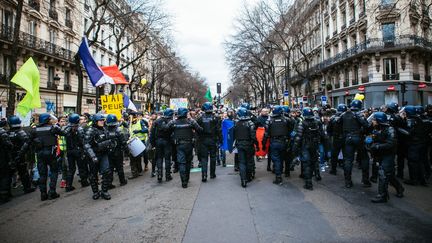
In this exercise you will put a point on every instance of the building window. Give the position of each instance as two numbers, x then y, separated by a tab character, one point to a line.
103	37
109	61
50	77
52	36
388	32
102	59
67	44
52	4
66	77
32	27
344	18
7	63
7	18
356	75
390	69
85	26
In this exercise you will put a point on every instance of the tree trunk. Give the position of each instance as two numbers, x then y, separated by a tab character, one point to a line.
80	83
10	110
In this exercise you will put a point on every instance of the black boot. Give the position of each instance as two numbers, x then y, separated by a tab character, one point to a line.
380	199
317	175
168	177
278	180
105	195
204	177
366	183
85	183
373	179
44	196
96	195
243	183
308	185
348	181
268	167
53	195
223	164
159	178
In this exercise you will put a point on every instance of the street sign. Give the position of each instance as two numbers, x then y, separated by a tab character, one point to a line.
391	88
361	88
324	100
286	93
422	85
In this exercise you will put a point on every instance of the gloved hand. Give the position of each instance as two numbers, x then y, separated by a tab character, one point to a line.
292	134
95	160
368	140
136	131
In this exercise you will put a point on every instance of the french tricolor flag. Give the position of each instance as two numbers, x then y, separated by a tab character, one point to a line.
95	73
128	103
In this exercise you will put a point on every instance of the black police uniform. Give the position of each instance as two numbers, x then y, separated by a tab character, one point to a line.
5	172
289	154
353	125
115	154
208	139
417	150
245	140
45	142
97	144
335	131
161	140
21	142
278	130
309	135
383	150
182	130
75	155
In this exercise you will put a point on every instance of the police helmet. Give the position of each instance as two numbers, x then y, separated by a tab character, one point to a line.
44	118
182	112
111	120
308	113
168	112
342	108
207	107
410	111
381	118
98	117
393	107
74	119
277	110
246	106
286	109
420	109
242	112
356	105
14	122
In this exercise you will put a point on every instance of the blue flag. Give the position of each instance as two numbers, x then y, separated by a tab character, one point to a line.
95	73
128	103
227	139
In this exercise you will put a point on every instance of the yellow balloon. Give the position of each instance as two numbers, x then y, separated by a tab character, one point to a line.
359	97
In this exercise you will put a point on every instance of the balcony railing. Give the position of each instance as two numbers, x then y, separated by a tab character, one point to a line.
33	42
334	32
69	23
343	26
53	14
362	14
352	20
333	7
427	78
416	76
34	4
387	6
391	76
346	83
51	85
365	80
370	45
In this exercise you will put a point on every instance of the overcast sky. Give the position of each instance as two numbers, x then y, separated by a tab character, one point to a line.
200	28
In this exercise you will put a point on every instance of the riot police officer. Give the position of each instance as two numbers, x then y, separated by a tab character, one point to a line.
208	139
21	142
353	124
289	155
45	140
75	152
182	130
307	138
335	131
115	155
278	130
5	173
160	139
416	146
97	144
245	140
382	145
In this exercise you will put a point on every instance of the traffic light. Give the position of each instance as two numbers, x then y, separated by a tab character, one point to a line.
219	88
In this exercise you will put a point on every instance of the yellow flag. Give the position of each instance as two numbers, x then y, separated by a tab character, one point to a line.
143	81
28	78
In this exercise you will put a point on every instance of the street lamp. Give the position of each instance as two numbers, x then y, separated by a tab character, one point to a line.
56	83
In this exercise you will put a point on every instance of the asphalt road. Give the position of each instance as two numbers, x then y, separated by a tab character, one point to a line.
222	211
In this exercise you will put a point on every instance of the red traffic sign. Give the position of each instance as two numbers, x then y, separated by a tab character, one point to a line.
347	92
391	88
361	88
422	85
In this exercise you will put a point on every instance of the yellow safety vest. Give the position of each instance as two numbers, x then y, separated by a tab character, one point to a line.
137	126
62	143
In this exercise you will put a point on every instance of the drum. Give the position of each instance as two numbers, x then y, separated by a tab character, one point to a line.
136	146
